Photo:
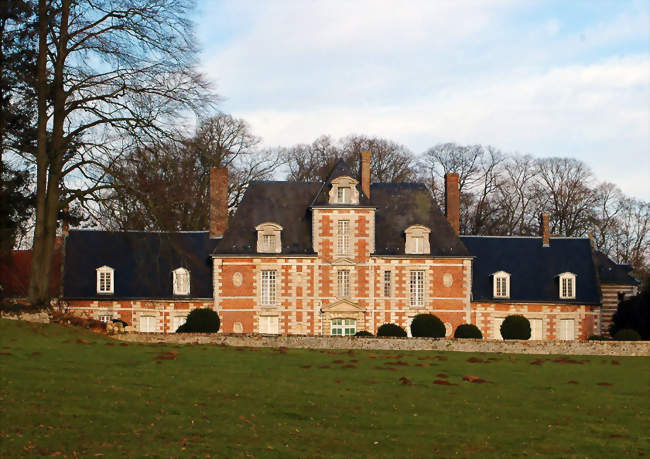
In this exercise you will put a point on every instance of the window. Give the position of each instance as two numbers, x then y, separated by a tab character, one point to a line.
268	288
501	284
343	283
177	321
269	238
536	329
181	281
417	288
343	195
417	240
567	329
387	286
105	279
147	324
344	327
269	325
343	237
567	285
105	318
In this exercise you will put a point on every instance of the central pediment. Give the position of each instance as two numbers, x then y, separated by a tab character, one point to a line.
343	306
343	261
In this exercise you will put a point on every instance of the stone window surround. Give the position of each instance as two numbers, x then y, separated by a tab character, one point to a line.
413	232
344	182
571	282
344	326
500	276
176	281
105	275
269	229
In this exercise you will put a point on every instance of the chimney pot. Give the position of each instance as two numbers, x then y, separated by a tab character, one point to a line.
218	196
544	229
365	173
452	201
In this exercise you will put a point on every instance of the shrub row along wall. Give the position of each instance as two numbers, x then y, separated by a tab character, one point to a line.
622	348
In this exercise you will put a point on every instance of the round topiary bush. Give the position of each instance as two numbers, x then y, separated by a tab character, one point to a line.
391	330
515	327
627	334
201	321
363	333
468	331
598	338
427	325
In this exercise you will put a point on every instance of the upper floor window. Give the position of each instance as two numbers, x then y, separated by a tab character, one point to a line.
567	285
269	238
417	240
416	288
181	281
387	284
501	285
344	191
105	279
343	237
267	294
343	283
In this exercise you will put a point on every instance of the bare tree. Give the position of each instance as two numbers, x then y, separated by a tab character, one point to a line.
110	74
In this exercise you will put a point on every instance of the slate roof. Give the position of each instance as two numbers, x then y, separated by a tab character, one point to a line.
143	263
611	272
398	206
340	169
533	268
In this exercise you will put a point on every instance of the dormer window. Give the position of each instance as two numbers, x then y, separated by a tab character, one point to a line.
501	284
269	238
344	191
181	281
417	240
105	279
567	286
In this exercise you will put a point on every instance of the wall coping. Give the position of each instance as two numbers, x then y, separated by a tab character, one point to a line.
619	348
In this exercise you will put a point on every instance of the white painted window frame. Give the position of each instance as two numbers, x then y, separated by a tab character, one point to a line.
346	327
343	237
388	288
417	240
181	281
343	194
343	283
268	281
567	286
501	284
104	286
417	282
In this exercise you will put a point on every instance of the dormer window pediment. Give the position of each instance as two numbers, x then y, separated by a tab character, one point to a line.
567	286
417	240
344	191
269	238
501	284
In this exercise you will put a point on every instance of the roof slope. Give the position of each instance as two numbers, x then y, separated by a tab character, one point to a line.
533	268
284	203
143	263
611	272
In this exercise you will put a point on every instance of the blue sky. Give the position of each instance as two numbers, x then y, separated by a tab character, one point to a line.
552	78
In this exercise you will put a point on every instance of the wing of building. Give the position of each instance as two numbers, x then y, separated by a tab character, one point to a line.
334	258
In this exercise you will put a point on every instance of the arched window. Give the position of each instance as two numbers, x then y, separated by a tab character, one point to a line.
417	240
567	285
501	284
105	279
269	238
181	281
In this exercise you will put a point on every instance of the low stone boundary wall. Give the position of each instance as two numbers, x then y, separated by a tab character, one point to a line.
619	348
37	317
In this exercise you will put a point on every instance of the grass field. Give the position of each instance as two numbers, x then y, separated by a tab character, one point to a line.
74	393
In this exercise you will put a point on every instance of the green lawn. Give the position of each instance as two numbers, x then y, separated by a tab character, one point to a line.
74	393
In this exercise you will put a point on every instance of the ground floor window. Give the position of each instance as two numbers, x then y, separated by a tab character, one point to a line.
270	325
147	324
177	321
105	317
567	329
344	327
536	332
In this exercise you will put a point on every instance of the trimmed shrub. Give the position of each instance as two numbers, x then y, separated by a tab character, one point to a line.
515	327
391	330
633	313
201	321
468	331
428	326
627	334
363	333
598	338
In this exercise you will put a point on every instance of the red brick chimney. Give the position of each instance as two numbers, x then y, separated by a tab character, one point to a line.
218	201
365	173
544	229
452	201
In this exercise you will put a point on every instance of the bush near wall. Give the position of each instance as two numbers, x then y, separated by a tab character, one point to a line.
627	334
427	326
468	331
363	333
391	330
201	320
515	327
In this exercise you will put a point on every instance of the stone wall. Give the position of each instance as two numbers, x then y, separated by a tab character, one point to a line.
621	348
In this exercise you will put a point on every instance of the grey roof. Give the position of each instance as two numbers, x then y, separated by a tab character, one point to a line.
611	272
533	268
143	263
